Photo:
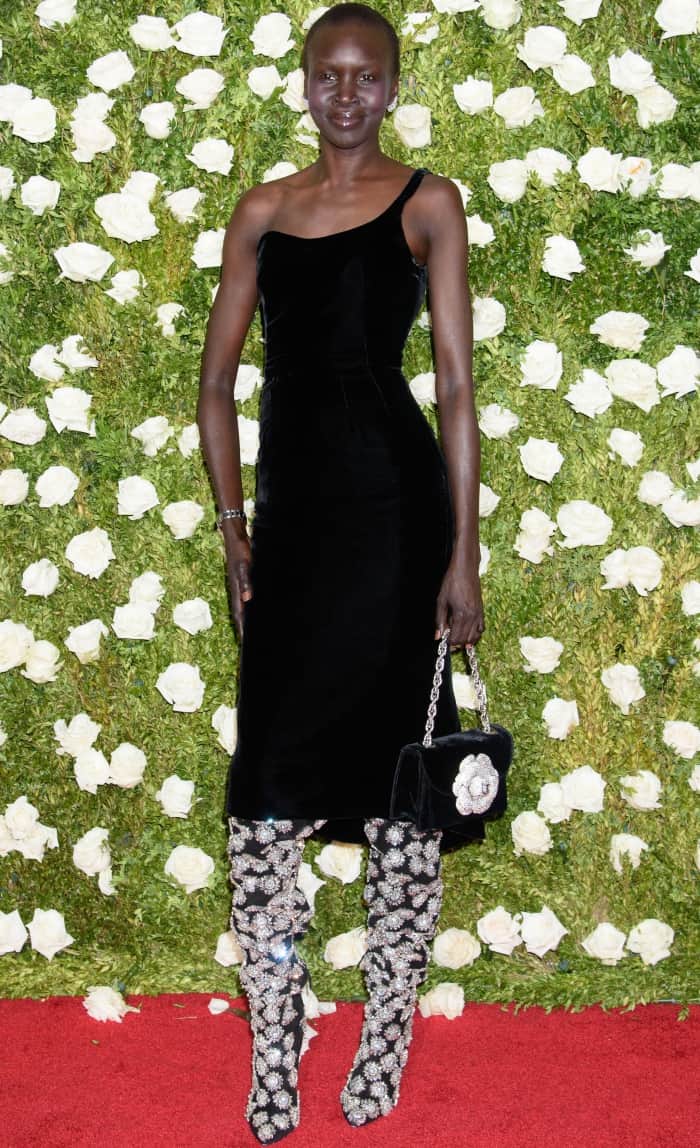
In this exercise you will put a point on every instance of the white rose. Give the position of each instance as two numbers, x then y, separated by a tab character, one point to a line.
683	737
542	47
157	120
599	169
42	662
655	488
151	33
313	1007
212	155
655	105
34	844
464	691
47	930
125	216
193	615
641	790
690	597
147	589
583	524
309	883
78	735
694	779
104	1003
508	179
200	34
532	540
181	685
412	125
183	203
552	804
501	14
636	174
249	439
40	578
489	318
650	250
126	765
83	262
13	933
624	330
422	388
623	685
111	71
125	286
488	500
23	426
225	721
56	486
560	717
14	486
634	381
651	939
541	932
35	120
228	951
518	107
583	788
69	409
496	421
191	867
21	817
16	640
200	87
679	372
480	233
562	258
675	181
455	948
473	96
640	566
547	163
605	943
630	72
39	194
175	796
627	445
91	854
530	834
90	552
677	17
7	177
84	641
541	365
183	518
90	136
188	440
263	81
573	74
209	248
271	35
134	621
53	13
542	654
153	433
540	458
499	931
91	769
682	511
341	860
346	949
580	10
589	395
135	496
626	845
446	999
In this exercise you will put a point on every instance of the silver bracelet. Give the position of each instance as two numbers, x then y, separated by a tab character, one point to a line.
230	513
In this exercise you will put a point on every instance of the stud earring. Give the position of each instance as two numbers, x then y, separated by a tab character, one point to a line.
390	107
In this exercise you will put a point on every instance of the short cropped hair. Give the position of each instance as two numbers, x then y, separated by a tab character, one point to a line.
355	13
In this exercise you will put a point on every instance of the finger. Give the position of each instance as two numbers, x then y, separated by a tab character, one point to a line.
440	619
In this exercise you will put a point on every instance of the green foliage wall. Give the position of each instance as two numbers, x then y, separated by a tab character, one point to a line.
150	934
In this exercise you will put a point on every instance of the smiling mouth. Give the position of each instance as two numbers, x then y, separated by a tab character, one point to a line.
342	119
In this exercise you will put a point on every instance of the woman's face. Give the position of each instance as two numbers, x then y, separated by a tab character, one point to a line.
348	82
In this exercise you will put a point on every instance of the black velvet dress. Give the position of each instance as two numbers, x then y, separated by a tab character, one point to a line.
351	535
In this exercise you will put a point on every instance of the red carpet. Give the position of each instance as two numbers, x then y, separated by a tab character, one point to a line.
178	1076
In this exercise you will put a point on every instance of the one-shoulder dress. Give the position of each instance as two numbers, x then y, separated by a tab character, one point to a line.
351	535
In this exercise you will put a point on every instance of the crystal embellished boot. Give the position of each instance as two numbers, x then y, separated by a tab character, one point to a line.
404	894
268	912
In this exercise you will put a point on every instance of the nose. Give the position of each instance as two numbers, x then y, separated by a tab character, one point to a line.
345	92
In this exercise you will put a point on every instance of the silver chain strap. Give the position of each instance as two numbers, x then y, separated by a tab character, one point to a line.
479	688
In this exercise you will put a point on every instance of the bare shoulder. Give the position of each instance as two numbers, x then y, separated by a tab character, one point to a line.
256	207
441	194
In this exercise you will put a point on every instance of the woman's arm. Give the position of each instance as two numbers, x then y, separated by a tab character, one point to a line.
459	604
230	317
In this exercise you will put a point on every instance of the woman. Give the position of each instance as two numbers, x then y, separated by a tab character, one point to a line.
365	547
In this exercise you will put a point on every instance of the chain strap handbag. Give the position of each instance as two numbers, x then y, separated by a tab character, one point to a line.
457	781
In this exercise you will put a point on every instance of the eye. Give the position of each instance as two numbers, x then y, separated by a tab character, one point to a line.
367	76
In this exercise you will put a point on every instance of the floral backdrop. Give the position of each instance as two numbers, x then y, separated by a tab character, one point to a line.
128	132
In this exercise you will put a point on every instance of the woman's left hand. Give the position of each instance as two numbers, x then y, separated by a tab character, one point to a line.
459	604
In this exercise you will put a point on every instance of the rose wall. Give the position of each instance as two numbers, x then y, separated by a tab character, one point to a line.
128	132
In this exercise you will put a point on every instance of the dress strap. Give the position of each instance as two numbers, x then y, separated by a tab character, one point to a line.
409	189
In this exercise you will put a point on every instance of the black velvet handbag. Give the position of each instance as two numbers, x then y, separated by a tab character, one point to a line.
458	781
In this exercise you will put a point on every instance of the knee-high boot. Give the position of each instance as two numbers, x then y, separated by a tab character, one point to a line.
404	894
268	912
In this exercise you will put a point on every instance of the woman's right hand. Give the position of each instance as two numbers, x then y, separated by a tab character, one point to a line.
238	560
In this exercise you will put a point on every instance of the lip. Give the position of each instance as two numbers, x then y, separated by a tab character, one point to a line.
341	119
